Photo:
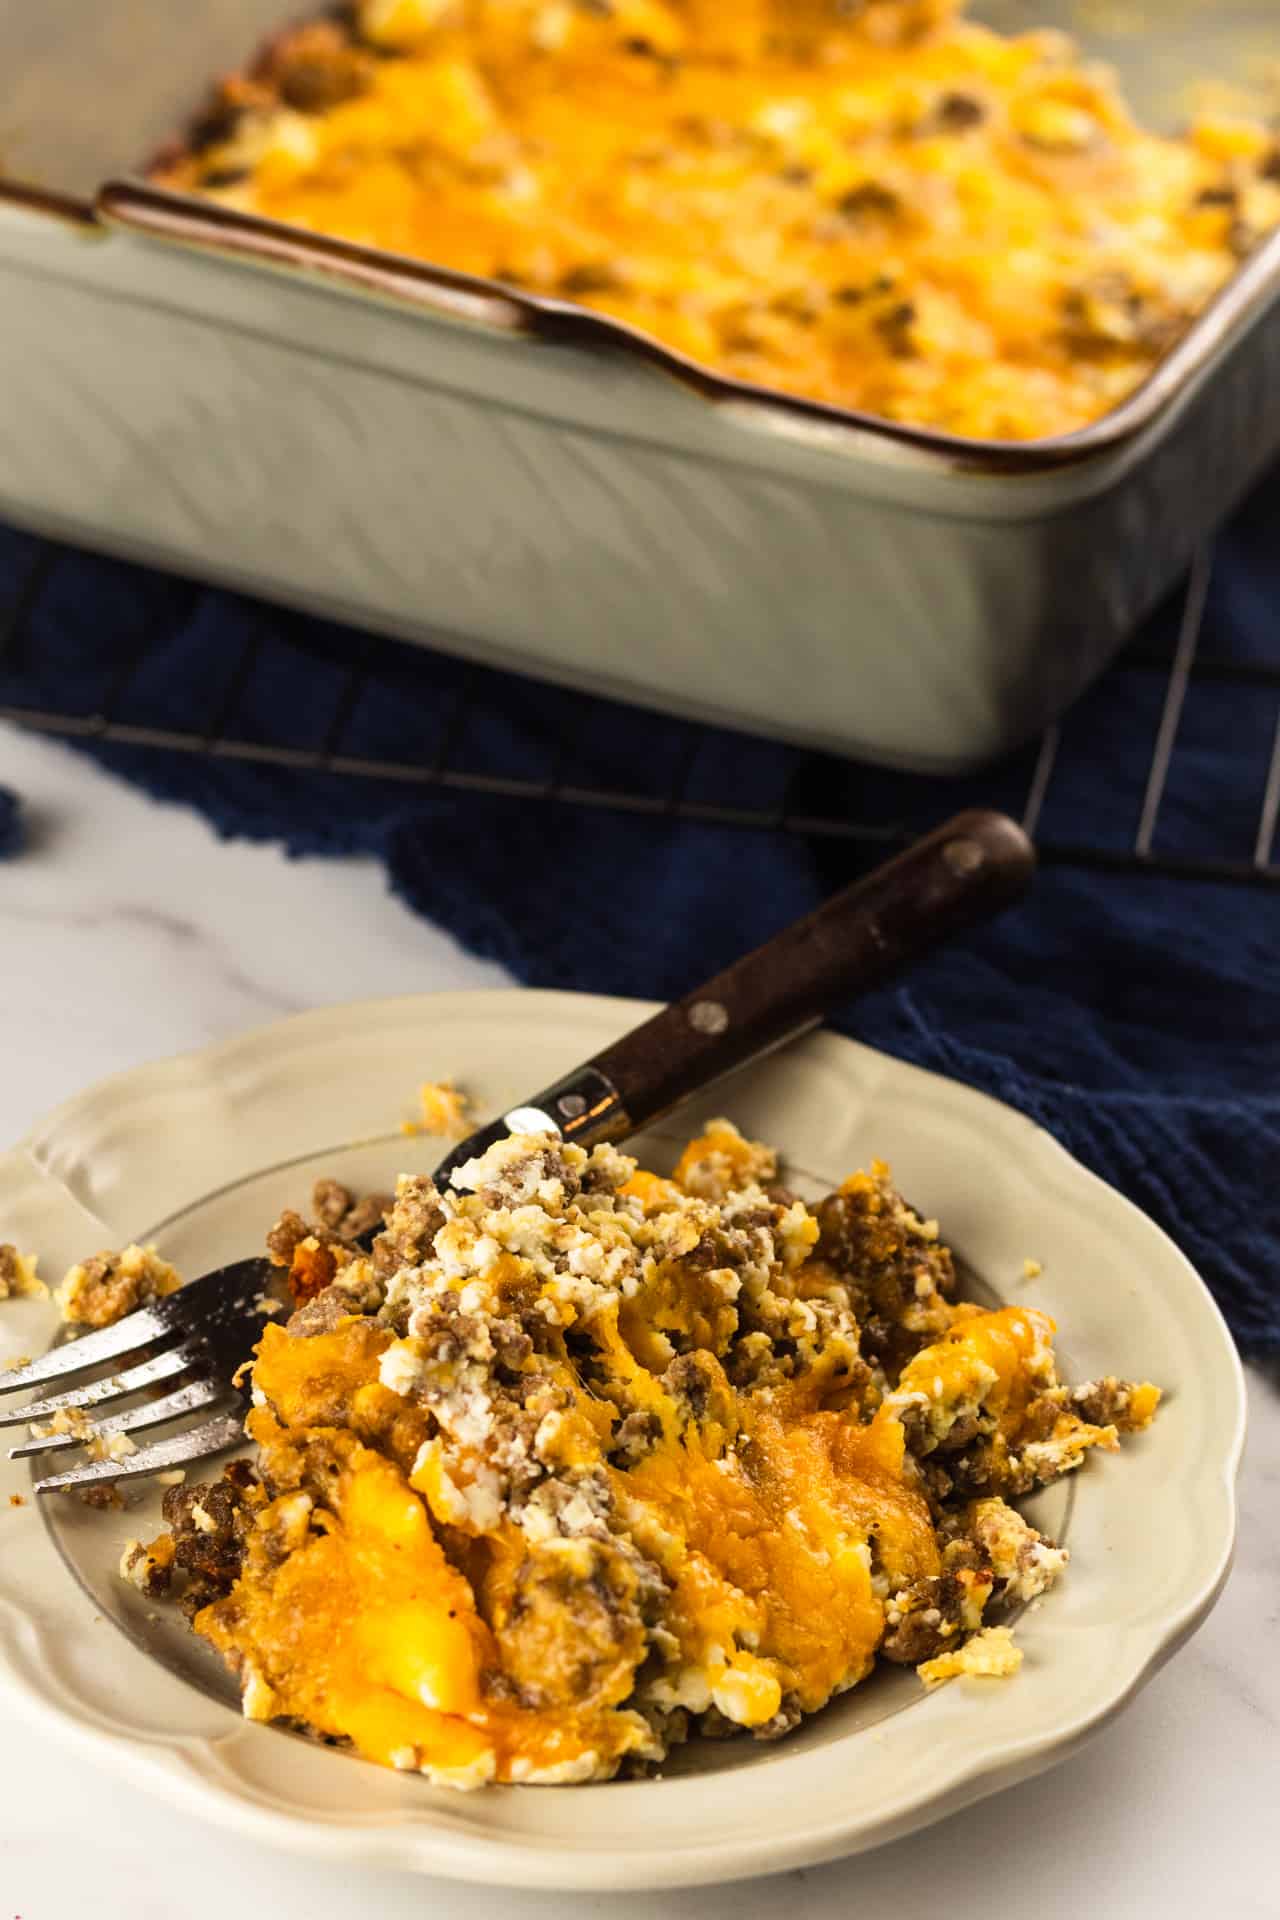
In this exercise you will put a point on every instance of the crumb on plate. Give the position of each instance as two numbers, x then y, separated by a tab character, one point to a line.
102	1290
148	1568
445	1108
18	1277
989	1655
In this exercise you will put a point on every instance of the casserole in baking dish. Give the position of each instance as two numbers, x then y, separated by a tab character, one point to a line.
884	207
516	477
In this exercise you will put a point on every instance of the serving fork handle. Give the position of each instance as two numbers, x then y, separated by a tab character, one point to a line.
956	877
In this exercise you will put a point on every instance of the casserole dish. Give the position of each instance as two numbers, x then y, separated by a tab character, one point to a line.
510	477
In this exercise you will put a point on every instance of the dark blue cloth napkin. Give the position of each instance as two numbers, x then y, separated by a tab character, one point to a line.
1137	1018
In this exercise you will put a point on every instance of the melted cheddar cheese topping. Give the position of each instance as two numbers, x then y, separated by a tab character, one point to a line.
586	1458
884	207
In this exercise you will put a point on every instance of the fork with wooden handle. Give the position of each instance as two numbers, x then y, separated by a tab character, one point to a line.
193	1342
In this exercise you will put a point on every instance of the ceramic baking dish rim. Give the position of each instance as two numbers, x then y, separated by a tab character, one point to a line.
158	213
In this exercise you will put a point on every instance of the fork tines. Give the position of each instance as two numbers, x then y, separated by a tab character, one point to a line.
197	1443
165	1366
152	1413
199	1337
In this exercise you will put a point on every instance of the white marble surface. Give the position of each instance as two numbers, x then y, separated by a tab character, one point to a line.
128	931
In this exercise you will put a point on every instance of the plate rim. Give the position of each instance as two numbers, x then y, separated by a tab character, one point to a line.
171	1769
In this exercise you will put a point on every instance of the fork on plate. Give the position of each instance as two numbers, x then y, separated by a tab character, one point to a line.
195	1342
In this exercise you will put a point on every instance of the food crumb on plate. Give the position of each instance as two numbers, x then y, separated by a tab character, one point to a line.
102	1290
445	1110
148	1568
18	1277
990	1655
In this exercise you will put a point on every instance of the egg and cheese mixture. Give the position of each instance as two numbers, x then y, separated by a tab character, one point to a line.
874	204
581	1460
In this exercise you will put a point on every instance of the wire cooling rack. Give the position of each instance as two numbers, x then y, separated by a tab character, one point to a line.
1176	672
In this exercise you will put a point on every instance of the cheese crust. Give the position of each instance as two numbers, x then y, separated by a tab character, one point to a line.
884	207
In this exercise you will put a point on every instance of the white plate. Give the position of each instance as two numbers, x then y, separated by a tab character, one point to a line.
177	1151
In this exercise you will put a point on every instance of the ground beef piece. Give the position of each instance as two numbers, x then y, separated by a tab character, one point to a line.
708	1252
991	1466
512	1344
1112	1403
315	1254
714	1725
1110	314
636	1436
322	1313
780	1195
1040	1415
914	1637
288	1233
935	1483
934	1613
869	200
689	1383
749	1360
671	1727
883	1342
697	1385
100	1291
605	1171
953	113
511	1450
315	1464
900	1276
104	1494
338	1211
572	1630
365	1215
896	326
414	1218
149	1568
788	1716
449	1334
318	67
518	1181
209	1525
711	1724
330	1203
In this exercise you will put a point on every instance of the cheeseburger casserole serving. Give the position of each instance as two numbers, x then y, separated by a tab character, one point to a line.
580	1461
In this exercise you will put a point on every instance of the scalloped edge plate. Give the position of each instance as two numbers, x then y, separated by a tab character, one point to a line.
1151	1530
